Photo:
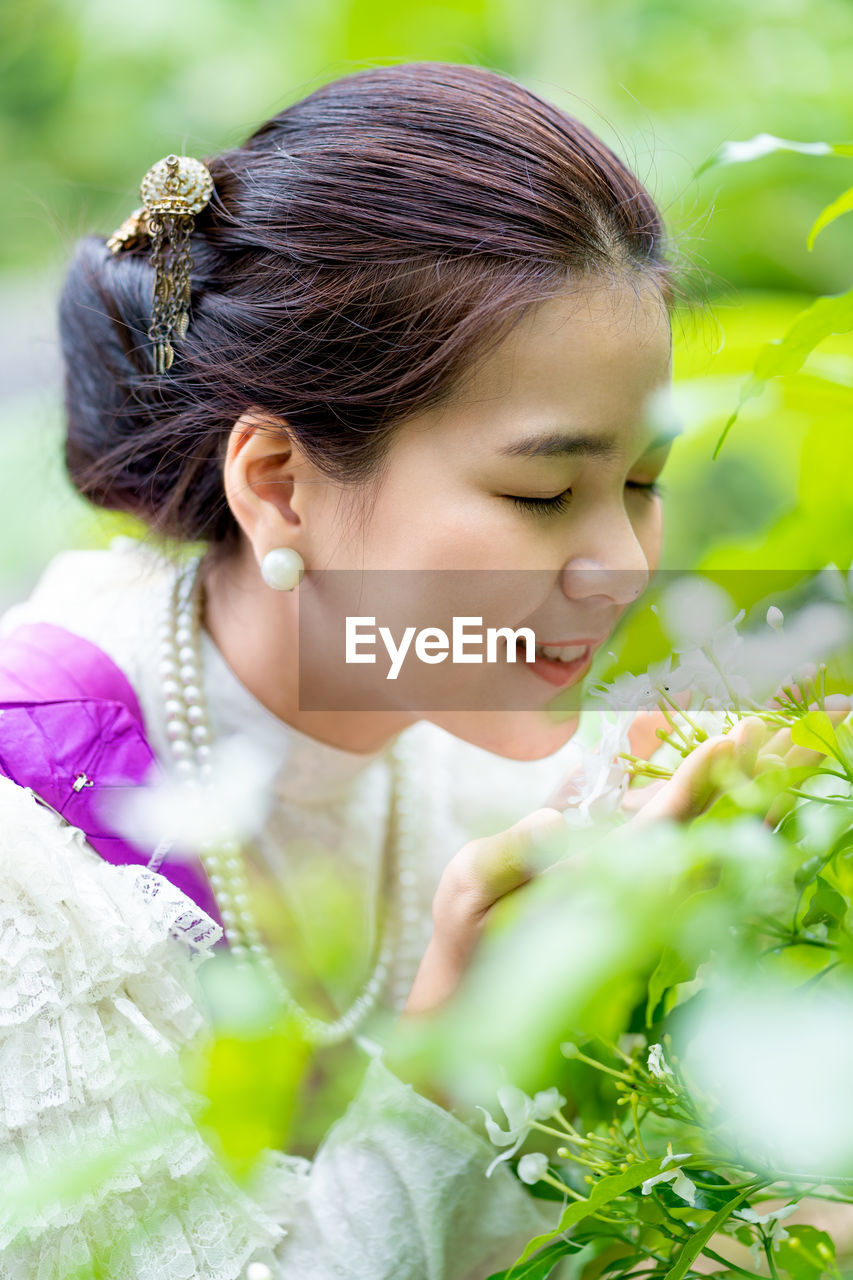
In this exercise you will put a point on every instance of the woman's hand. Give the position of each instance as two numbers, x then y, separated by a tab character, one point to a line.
758	748
479	875
492	867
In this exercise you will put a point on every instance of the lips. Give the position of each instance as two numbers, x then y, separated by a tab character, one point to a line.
573	661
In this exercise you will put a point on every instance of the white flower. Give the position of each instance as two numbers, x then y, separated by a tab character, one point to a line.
635	693
602	778
712	674
521	1112
681	1184
657	1064
532	1167
775	618
774	1216
777	1232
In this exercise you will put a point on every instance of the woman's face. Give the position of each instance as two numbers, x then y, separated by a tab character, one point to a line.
528	500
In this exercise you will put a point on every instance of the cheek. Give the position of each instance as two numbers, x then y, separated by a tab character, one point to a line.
652	535
442	528
646	515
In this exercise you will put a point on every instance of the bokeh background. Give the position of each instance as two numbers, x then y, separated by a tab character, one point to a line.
91	94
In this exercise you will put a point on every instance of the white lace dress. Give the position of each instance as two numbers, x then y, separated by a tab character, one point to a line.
98	981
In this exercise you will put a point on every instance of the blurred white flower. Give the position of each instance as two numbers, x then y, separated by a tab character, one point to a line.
521	1111
234	803
532	1167
775	1235
837	583
810	636
602	778
657	1063
713	675
693	609
778	1062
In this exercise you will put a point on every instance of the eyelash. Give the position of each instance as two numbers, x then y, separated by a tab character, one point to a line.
559	503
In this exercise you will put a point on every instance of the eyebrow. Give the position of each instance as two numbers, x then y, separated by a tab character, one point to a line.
558	444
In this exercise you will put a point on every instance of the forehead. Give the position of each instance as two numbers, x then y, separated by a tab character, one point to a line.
583	360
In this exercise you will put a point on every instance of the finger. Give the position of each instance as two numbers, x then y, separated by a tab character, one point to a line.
637	797
749	737
498	864
837	706
691	787
779	743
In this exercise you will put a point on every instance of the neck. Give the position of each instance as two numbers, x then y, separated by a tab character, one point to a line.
256	629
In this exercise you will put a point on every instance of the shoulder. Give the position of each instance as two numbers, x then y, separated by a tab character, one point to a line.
71	923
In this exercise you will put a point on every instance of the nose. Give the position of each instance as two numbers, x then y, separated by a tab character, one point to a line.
613	565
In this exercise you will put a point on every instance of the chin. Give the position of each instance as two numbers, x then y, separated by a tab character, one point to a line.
516	735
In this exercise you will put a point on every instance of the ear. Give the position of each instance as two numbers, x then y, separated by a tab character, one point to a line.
267	481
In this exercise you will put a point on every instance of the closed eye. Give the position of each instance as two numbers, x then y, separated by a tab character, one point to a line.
560	501
547	506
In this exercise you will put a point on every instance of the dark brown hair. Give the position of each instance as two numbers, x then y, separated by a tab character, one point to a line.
362	249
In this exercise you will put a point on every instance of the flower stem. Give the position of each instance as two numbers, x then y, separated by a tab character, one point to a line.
637	1134
768	1253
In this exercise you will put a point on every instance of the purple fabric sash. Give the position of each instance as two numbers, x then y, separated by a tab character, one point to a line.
71	729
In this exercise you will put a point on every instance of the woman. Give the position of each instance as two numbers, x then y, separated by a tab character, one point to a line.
429	314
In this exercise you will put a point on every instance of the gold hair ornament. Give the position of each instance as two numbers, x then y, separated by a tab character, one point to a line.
173	191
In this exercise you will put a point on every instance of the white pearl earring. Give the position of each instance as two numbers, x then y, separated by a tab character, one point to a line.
282	568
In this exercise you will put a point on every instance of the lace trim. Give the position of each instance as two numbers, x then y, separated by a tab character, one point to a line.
98	983
206	1229
71	925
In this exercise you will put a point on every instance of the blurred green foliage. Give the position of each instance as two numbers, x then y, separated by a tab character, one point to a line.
91	95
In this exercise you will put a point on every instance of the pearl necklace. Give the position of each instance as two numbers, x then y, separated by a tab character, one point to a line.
190	739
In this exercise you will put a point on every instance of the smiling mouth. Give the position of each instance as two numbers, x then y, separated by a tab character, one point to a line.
558	665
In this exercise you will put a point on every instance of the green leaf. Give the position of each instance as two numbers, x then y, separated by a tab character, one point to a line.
669	970
844	737
815	730
826	907
832	314
806	873
543	1264
602	1193
844	204
765	144
843	844
806	1254
694	1246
